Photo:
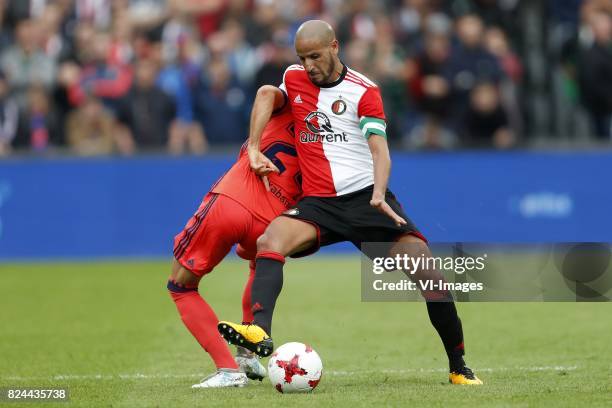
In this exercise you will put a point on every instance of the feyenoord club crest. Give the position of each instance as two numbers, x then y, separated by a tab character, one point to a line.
338	107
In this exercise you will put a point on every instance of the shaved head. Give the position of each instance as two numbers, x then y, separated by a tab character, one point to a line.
317	48
317	31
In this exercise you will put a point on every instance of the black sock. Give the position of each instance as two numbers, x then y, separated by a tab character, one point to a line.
267	285
443	316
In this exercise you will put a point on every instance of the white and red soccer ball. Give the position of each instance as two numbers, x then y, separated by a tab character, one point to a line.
295	367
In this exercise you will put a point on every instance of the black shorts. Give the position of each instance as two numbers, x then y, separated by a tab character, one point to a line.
350	217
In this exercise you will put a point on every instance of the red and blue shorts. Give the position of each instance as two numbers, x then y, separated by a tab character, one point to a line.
209	235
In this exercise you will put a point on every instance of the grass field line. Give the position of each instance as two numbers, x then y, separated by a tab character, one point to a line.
140	376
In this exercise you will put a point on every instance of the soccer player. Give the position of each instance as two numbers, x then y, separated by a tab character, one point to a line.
235	211
344	159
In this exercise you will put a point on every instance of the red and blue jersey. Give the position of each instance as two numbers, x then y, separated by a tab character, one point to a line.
244	186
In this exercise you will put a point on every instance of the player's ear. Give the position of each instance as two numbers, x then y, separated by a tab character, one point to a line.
334	46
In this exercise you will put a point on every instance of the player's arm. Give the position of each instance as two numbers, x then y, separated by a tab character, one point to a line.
268	100
372	124
382	169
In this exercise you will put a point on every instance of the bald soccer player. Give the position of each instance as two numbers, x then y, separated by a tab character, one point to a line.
340	138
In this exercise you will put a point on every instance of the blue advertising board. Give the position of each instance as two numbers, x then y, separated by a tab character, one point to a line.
66	208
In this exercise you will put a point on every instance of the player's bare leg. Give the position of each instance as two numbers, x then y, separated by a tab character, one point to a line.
201	321
284	236
441	309
287	236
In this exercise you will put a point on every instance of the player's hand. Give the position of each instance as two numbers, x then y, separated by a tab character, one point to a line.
378	202
260	164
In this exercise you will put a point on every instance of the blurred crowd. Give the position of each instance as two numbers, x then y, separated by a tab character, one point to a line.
120	76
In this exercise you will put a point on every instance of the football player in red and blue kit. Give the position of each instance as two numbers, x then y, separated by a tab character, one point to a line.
237	210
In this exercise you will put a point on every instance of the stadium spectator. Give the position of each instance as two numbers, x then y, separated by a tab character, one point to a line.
485	123
25	63
81	44
276	57
596	74
146	112
186	134
496	42
241	57
175	34
387	69
52	42
90	129
38	127
470	62
121	50
9	117
102	76
223	105
67	76
430	86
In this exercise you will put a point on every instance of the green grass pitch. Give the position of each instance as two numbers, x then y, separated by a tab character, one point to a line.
110	333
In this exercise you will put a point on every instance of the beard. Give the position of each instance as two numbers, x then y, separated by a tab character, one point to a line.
324	77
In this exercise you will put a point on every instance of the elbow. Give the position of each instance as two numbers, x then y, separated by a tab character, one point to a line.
266	91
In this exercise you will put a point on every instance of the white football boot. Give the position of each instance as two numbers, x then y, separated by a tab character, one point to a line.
222	379
249	364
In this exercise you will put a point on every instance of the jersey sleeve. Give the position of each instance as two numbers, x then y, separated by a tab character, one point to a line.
284	107
282	86
294	67
371	113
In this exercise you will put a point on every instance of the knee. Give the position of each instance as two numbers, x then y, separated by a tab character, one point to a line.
267	243
411	245
182	279
420	248
179	290
411	238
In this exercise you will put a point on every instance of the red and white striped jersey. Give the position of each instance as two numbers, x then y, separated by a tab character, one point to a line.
332	124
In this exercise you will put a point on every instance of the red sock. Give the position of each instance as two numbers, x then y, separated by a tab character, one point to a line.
201	321
247	313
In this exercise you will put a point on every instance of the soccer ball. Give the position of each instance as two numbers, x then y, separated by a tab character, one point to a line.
295	367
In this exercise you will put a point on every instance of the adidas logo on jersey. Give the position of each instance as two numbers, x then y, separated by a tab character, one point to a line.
298	99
